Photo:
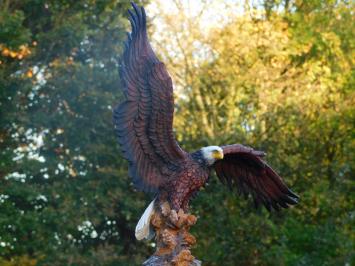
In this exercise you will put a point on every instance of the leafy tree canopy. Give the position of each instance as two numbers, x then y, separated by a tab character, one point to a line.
278	76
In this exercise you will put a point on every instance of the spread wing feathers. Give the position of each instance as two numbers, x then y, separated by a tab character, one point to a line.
144	120
243	168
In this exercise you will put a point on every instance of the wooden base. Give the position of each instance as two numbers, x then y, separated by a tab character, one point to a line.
173	238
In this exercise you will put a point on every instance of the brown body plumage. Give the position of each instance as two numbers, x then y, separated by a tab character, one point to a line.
156	162
187	181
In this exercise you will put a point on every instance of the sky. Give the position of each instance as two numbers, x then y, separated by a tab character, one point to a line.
214	10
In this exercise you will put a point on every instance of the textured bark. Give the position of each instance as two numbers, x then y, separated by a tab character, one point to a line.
173	238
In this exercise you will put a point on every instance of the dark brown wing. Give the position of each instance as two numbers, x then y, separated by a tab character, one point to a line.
243	168
144	120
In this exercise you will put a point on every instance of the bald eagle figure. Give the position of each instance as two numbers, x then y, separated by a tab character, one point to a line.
144	126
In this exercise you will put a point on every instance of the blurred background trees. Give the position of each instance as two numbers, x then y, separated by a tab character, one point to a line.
276	75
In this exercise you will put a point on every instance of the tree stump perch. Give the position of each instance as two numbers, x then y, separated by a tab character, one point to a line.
173	238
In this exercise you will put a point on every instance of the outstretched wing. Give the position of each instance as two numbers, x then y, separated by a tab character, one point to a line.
144	120
243	168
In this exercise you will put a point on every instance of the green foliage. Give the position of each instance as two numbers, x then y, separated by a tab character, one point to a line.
66	198
12	33
281	82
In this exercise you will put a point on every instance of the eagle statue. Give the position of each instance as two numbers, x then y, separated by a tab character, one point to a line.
157	164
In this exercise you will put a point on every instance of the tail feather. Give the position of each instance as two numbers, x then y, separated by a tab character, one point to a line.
144	230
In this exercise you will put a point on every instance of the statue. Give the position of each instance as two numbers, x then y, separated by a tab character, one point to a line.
157	164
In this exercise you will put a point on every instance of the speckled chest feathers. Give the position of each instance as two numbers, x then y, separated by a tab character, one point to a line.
192	176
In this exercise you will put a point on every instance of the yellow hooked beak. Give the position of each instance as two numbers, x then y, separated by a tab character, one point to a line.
217	155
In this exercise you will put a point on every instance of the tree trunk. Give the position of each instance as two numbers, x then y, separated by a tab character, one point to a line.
173	238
